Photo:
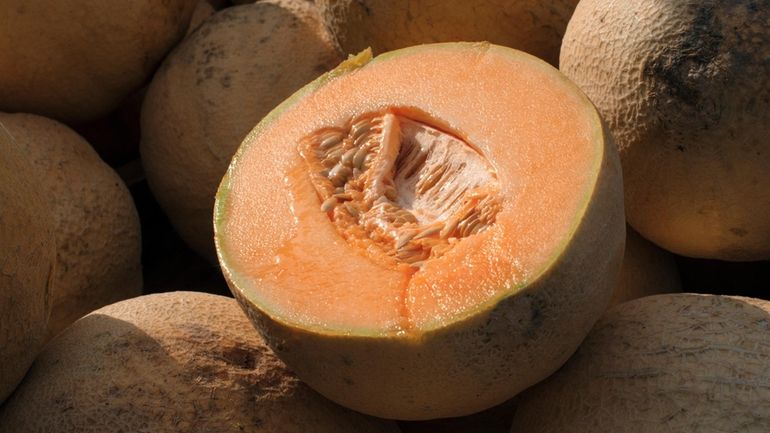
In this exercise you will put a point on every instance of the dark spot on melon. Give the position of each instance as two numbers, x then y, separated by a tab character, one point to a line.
365	7
690	71
240	357
536	317
739	232
694	50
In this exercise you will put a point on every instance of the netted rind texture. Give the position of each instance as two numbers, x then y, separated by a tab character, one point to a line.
665	363
179	361
27	257
97	229
685	89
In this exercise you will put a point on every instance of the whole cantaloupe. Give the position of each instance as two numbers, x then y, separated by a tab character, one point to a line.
97	232
27	257
685	89
384	25
665	363
76	60
212	90
170	362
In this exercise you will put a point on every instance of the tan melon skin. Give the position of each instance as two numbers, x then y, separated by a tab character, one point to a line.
482	360
171	362
533	26
212	90
98	238
647	270
666	363
685	89
27	258
76	60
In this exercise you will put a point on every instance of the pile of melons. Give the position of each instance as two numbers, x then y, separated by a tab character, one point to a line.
481	216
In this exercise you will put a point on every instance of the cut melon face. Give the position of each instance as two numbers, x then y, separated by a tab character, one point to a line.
396	199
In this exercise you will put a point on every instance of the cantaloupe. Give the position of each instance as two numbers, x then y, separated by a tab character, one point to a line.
647	270
685	89
98	240
212	90
27	259
171	362
533	26
425	234
665	363
76	60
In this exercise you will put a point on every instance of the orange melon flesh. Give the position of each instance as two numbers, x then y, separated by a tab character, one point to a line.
541	137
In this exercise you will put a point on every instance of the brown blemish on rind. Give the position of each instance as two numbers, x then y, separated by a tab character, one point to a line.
680	71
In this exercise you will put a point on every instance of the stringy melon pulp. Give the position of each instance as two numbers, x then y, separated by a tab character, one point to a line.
405	194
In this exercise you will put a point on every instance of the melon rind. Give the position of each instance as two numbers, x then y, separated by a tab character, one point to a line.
480	358
98	235
27	264
685	89
662	364
170	362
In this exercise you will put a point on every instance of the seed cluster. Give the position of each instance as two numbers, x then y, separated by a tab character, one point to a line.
400	188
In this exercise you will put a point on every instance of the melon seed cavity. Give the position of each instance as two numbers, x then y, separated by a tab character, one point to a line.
400	188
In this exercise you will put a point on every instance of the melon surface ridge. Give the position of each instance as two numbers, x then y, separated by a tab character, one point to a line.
410	356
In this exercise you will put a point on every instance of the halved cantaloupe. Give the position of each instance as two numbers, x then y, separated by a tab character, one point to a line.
427	233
